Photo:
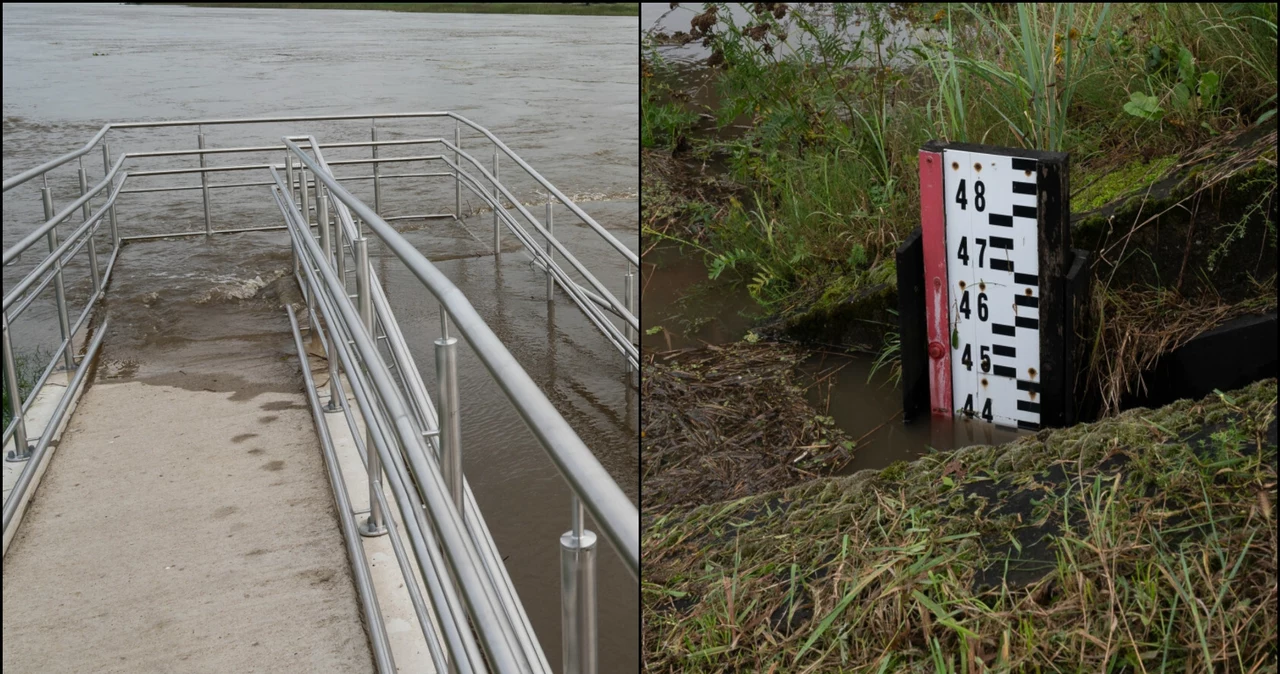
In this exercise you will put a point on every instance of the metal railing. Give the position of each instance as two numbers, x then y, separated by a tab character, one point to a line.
406	440
591	299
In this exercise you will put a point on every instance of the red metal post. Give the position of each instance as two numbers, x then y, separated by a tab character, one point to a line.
933	223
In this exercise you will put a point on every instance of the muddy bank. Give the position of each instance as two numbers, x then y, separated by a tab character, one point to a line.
721	423
1144	541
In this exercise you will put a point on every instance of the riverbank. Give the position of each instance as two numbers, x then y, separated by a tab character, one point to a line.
723	422
1145	542
566	8
802	189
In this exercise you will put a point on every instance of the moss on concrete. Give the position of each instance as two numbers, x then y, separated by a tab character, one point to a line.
1101	186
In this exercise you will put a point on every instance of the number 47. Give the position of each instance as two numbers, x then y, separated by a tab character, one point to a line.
963	253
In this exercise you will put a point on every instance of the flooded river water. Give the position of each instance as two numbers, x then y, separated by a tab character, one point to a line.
560	91
692	311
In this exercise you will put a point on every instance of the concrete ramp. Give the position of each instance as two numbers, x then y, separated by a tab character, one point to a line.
185	522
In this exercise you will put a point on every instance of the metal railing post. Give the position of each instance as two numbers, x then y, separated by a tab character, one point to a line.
204	186
629	282
288	172
457	180
450	443
64	321
21	448
377	169
306	198
111	212
322	221
578	595
497	201
326	241
375	524
340	251
86	211
551	282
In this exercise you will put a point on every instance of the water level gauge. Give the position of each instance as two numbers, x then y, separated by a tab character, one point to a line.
994	237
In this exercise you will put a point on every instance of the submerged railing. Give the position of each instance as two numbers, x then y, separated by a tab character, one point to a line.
406	439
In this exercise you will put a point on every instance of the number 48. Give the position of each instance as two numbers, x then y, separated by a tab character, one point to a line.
979	196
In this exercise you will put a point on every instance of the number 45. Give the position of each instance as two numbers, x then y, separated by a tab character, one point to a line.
966	359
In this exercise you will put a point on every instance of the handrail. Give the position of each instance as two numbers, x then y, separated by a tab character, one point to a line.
17	249
37	455
589	480
23	177
403	360
472	598
496	632
364	581
617	245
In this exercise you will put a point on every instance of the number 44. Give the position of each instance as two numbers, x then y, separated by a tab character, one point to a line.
986	408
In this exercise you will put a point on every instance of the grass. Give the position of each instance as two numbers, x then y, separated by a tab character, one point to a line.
574	8
662	123
836	106
1143	543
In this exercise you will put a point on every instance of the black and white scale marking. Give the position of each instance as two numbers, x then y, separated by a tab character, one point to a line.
992	271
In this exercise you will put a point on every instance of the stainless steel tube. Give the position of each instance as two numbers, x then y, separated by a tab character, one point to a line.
340	252
326	242
381	647
106	168
450	442
572	288
551	282
12	252
74	240
564	252
37	455
362	284
60	293
288	176
492	626
457	181
578	602
609	506
438	657
377	169
445	601
497	232
375	524
204	187
93	248
21	449
304	197
288	172
322	221
629	282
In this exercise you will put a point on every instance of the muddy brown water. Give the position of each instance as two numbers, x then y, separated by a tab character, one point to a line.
560	91
694	311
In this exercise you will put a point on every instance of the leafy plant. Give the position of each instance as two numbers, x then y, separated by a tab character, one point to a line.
1194	92
1144	106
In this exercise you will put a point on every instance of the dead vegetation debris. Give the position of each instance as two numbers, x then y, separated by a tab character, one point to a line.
723	422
